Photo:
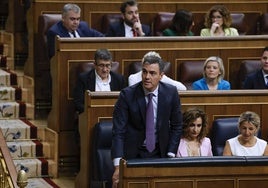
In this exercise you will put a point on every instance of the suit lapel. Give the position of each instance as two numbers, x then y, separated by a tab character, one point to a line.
91	80
140	97
122	30
63	31
162	103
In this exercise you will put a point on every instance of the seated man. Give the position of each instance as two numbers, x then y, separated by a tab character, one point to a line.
99	79
131	25
70	26
259	79
135	78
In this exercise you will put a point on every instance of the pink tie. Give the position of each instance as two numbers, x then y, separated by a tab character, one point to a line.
150	128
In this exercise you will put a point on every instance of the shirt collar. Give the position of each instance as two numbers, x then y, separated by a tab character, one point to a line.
264	74
98	78
155	92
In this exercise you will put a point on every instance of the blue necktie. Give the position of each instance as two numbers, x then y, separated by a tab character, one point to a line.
150	129
266	81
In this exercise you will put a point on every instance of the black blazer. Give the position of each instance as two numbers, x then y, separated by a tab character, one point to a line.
255	81
87	81
118	30
129	121
58	29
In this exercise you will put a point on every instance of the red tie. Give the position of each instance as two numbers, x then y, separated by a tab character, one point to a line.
134	33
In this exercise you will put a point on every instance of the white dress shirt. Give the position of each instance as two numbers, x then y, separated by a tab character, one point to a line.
102	85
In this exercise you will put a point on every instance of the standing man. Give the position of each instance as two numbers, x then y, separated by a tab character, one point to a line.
69	26
99	79
259	79
130	26
135	135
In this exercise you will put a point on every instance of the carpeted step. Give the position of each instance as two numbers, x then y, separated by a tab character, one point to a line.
10	93
36	167
41	183
14	129
12	110
8	78
25	149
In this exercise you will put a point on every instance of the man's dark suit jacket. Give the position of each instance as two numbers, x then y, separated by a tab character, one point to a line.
129	121
118	30
58	29
87	81
255	81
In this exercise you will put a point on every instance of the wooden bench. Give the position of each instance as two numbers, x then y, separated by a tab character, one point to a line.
217	104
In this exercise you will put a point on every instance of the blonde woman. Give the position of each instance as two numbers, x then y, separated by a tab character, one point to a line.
247	143
213	74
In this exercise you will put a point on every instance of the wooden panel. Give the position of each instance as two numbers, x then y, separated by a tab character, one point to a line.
212	183
173	183
249	183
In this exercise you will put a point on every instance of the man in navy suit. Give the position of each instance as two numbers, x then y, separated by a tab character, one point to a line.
101	78
69	26
130	25
129	138
259	79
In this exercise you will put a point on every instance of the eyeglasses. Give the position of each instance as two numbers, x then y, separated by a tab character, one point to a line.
216	17
108	66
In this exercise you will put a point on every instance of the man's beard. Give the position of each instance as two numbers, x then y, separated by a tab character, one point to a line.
130	23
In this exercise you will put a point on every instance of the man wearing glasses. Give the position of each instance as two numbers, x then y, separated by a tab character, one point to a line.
99	79
69	26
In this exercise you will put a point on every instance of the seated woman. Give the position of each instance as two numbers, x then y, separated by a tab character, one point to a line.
213	74
246	143
218	21
194	141
182	24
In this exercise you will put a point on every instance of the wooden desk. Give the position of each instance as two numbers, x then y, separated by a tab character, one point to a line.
218	104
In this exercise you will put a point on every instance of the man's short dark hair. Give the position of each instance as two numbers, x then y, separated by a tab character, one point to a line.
265	49
154	58
103	54
127	3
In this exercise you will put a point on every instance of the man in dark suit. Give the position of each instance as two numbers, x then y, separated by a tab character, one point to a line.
69	26
130	25
259	79
130	115
99	79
